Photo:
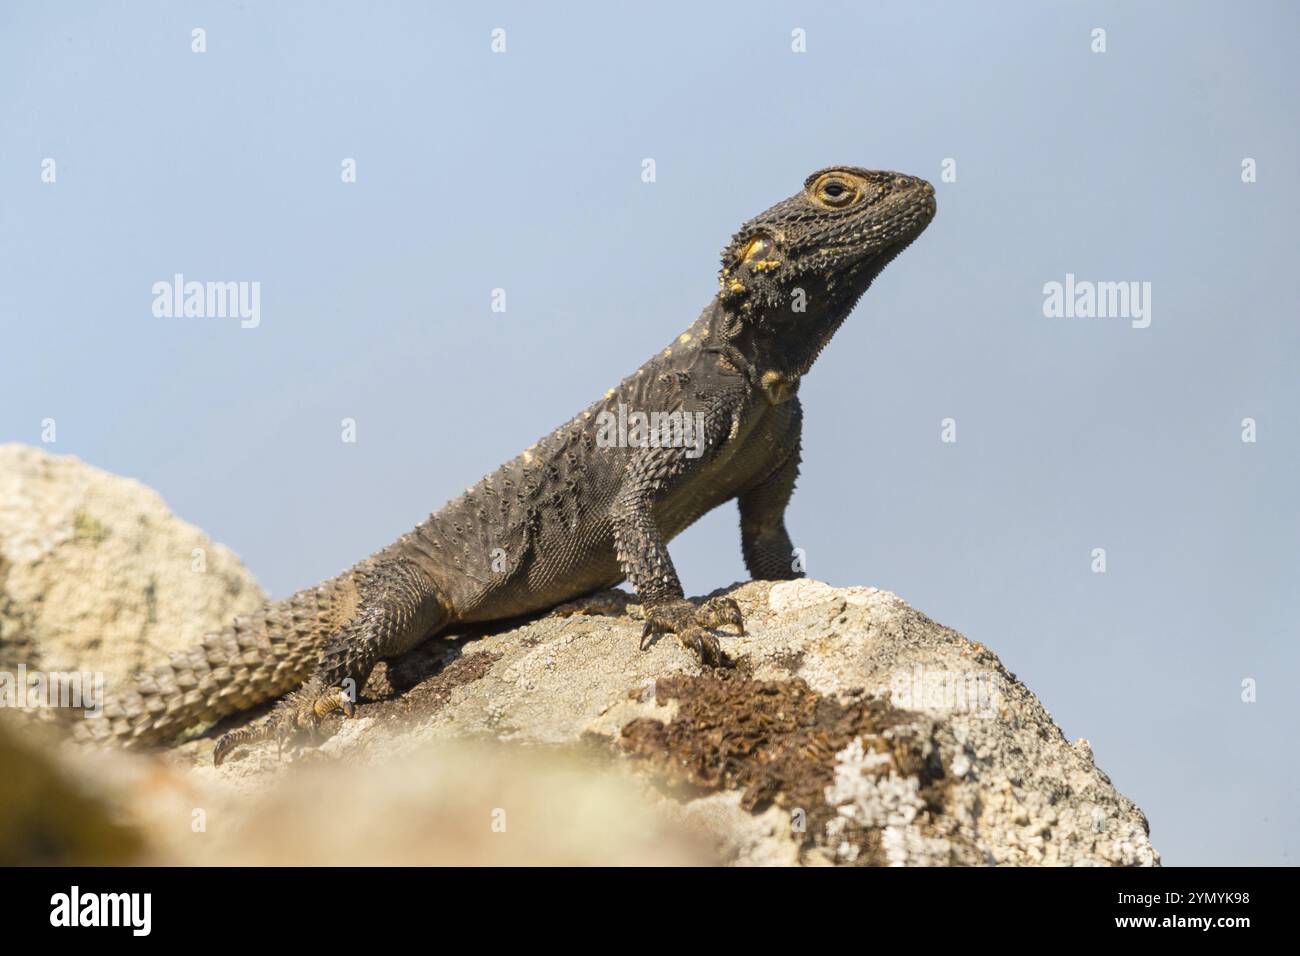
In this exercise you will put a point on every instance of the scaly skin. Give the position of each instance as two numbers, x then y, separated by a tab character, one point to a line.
572	515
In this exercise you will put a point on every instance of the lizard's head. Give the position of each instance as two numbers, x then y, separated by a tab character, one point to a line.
797	270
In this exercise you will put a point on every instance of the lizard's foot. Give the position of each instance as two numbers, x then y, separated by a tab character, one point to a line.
334	700
298	715
300	728
690	624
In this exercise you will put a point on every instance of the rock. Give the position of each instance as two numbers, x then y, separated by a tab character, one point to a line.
454	803
50	813
853	730
97	575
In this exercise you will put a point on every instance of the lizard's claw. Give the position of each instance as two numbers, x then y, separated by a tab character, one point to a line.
337	699
690	624
646	633
719	612
704	645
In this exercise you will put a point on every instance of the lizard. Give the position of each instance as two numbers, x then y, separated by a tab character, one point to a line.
580	510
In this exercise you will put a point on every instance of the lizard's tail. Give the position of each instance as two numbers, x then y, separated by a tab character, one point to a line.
260	656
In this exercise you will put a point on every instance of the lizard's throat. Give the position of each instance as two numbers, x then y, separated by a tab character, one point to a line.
788	342
792	344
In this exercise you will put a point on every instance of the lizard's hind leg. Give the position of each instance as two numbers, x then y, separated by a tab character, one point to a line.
399	609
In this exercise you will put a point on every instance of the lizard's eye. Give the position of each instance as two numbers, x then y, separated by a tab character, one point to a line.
834	191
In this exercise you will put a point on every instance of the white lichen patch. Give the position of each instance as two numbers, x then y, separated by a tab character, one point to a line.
870	793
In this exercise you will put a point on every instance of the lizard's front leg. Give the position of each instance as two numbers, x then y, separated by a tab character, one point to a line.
764	541
644	557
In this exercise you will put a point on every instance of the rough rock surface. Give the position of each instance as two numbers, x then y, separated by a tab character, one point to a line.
97	574
853	730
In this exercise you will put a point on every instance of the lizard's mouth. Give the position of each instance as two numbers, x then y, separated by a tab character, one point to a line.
874	261
905	226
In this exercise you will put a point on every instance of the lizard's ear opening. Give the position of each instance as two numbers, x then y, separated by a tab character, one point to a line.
748	248
758	254
758	248
748	259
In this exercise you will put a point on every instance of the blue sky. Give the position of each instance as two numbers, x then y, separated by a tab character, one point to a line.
522	171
